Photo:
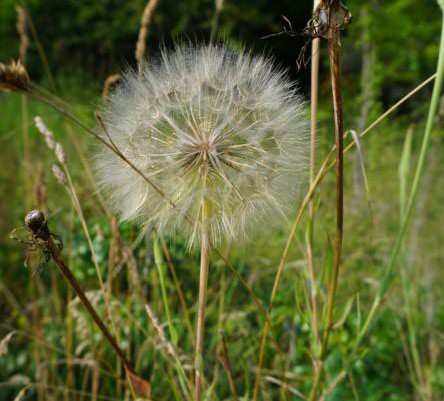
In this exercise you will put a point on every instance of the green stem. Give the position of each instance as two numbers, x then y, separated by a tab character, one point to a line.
203	283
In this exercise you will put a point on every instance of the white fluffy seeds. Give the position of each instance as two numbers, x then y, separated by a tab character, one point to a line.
205	124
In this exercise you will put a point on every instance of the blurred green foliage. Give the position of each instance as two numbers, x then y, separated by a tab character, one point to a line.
99	36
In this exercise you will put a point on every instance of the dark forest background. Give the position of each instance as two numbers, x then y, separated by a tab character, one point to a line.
97	38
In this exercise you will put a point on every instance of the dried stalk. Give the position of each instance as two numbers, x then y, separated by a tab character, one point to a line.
333	49
315	49
334	9
144	29
37	223
328	19
218	5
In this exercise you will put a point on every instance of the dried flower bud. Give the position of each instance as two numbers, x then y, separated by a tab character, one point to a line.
59	174
60	153
35	220
13	77
43	129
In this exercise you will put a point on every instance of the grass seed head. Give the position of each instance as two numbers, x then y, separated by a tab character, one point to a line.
205	125
47	134
60	153
13	77
59	175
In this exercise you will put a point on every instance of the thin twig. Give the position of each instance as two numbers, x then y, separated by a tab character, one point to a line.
36	221
144	29
218	5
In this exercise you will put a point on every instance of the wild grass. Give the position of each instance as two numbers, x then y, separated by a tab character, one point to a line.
383	322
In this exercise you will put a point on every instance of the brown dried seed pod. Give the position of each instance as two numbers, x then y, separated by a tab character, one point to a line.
35	220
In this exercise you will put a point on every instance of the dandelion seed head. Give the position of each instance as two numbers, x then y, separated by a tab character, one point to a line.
205	125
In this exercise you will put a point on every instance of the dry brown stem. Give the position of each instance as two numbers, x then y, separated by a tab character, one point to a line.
144	29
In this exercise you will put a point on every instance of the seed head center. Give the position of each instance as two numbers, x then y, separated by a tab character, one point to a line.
204	148
199	153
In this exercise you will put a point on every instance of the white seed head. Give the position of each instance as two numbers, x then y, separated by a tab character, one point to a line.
209	126
47	134
59	175
60	153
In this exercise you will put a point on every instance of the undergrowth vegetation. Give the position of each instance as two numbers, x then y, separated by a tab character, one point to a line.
317	307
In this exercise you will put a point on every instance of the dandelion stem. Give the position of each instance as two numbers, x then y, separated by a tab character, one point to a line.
203	283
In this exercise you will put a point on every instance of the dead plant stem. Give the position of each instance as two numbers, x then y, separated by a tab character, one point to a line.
316	45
